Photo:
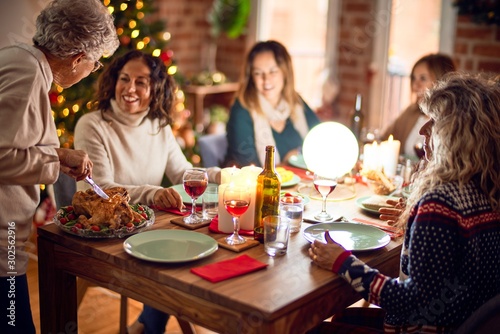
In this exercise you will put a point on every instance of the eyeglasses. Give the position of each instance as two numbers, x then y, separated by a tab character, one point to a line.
97	66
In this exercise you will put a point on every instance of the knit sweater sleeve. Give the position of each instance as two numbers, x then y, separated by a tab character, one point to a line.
431	240
241	137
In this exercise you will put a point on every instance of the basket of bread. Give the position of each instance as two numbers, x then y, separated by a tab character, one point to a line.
379	183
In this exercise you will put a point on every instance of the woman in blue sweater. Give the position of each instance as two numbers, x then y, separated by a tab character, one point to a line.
267	109
451	248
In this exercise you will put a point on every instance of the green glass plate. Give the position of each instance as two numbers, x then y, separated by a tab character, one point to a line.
170	246
352	236
297	161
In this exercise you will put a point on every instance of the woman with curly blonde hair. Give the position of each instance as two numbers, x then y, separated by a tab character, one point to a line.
451	248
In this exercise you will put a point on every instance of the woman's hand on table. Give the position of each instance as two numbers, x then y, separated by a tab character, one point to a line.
391	214
325	255
167	198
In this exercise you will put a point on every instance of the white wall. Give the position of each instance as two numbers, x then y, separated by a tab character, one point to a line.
17	20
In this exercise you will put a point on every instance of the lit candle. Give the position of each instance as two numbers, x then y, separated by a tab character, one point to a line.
246	176
249	178
389	152
371	156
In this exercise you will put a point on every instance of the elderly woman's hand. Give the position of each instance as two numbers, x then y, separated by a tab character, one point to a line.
166	198
325	255
75	163
392	214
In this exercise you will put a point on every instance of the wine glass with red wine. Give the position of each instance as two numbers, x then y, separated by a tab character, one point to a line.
195	182
324	185
236	200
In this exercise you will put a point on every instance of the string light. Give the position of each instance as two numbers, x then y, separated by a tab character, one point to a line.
132	24
111	9
119	31
156	52
172	70
135	33
123	7
140	45
139	5
140	15
75	108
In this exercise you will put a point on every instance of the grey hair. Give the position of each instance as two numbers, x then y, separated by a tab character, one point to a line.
67	27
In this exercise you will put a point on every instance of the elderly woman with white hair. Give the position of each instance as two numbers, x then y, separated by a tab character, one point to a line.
70	38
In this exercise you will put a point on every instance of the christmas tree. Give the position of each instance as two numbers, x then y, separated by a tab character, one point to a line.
136	30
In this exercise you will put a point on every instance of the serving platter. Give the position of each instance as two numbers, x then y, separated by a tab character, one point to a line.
66	219
294	181
170	246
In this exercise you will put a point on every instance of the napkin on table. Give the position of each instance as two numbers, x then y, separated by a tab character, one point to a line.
219	271
214	227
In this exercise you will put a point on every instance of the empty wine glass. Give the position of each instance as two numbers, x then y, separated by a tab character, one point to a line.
325	186
236	200
195	181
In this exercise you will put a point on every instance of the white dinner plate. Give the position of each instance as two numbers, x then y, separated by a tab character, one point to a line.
352	236
297	161
170	246
185	197
294	181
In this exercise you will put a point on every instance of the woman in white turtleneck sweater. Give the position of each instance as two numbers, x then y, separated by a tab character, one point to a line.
131	143
130	139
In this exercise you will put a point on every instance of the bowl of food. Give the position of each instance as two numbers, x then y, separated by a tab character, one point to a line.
380	184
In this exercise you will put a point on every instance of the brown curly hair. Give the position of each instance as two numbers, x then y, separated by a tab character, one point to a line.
162	84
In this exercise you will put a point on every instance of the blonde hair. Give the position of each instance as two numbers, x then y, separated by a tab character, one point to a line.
247	93
67	27
465	137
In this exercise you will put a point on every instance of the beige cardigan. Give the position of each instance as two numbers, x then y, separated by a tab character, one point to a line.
27	148
402	126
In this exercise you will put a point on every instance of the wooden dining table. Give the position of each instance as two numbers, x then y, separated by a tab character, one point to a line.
291	295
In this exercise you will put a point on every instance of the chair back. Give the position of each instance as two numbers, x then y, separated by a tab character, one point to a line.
64	189
213	148
484	320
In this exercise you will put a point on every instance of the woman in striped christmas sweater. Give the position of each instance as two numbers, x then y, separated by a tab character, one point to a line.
451	248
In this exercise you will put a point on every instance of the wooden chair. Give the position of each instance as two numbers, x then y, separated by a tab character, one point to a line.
213	148
484	320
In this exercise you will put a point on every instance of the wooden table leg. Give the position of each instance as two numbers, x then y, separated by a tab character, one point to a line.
57	289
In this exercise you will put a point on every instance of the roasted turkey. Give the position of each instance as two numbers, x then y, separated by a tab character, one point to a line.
114	212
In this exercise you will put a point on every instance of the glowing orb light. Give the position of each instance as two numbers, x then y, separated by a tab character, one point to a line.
330	149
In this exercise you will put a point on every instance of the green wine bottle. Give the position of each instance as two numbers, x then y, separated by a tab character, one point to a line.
267	195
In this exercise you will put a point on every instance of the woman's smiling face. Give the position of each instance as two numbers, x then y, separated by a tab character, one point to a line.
133	88
268	77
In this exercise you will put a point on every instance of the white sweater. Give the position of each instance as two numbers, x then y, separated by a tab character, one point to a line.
127	150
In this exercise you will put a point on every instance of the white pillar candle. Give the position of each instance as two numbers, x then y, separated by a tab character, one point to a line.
371	156
226	174
389	152
249	176
225	219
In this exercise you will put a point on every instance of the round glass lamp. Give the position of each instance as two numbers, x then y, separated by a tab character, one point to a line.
330	149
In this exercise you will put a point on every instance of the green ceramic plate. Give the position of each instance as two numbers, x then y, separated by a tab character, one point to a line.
185	197
297	161
170	246
294	181
351	236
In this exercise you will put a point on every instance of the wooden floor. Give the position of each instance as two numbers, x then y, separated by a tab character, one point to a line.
99	311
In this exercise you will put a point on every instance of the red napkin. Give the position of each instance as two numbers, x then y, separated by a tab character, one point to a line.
214	228
302	173
219	271
176	211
